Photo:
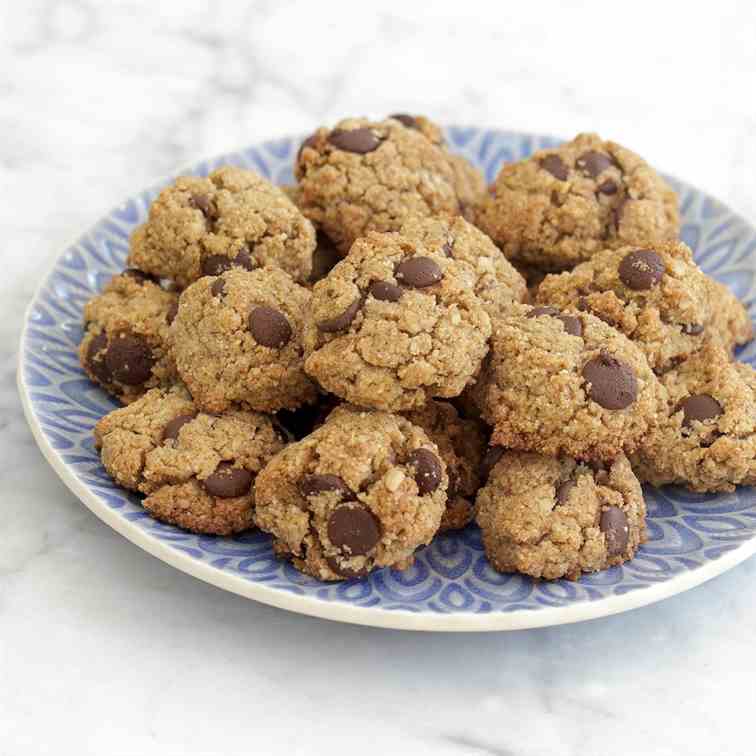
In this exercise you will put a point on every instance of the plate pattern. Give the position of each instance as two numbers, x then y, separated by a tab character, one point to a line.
452	575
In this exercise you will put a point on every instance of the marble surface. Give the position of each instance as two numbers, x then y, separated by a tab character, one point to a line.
103	649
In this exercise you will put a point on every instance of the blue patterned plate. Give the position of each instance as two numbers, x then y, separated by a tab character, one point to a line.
451	586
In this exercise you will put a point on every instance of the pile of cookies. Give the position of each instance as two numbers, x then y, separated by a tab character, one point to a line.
390	349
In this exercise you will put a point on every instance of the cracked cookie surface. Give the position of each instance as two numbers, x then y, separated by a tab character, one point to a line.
233	218
362	491
237	338
394	324
565	383
552	518
197	470
561	205
124	347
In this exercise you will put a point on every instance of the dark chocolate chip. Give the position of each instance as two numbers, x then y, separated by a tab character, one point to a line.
218	287
353	529
360	140
613	525
489	461
385	291
593	162
140	275
269	327
99	367
699	407
692	329
419	272
611	383
428	470
129	359
406	120
171	313
608	187
563	491
345	571
214	265
311	141
244	260
172	428
641	269
228	482
572	325
342	321
204	205
312	485
554	165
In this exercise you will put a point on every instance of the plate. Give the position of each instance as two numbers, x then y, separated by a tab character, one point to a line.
451	587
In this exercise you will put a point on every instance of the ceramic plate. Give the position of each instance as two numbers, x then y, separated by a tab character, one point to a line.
451	586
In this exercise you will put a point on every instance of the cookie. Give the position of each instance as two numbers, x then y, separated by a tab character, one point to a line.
124	346
363	491
366	176
237	338
656	295
198	470
566	384
233	218
489	274
562	205
395	324
705	436
461	445
552	518
730	319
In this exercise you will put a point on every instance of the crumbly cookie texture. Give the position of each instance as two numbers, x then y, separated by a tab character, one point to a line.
559	207
237	338
233	218
566	383
705	437
395	324
656	295
461	445
198	470
730	319
489	274
124	345
371	176
552	518
363	491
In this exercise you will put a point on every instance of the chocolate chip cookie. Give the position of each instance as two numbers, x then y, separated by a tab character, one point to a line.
461	445
362	491
560	206
566	383
198	470
705	437
233	218
730	319
552	518
124	346
237	338
395	324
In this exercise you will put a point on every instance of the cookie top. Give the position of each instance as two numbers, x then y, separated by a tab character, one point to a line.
233	218
489	274
371	176
395	323
566	383
124	346
562	205
362	491
656	295
730	319
705	437
237	338
461	444
552	518
197	470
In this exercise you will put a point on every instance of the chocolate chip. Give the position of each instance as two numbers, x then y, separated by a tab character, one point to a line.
244	260
419	272
537	312
360	141
572	325
593	162
353	529
489	461
342	321
218	287
554	165
228	482
692	329
612	383
99	367
172	428
608	187
642	269
311	141
269	327
171	313
699	407
129	358
428	470
385	291
448	247
345	571
613	525
204	205
406	120
563	491
139	275
312	485
214	265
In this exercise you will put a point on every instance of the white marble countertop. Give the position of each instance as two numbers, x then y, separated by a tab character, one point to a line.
104	649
